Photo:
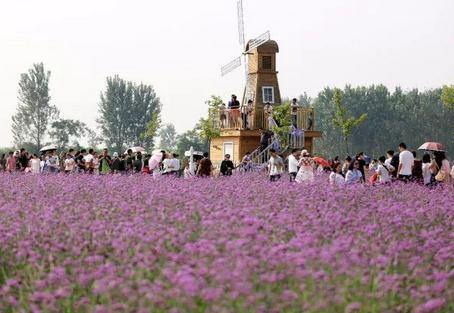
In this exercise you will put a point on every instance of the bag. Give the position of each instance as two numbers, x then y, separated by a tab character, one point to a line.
441	175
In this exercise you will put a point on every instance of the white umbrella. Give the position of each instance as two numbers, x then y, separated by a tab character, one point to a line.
47	148
135	150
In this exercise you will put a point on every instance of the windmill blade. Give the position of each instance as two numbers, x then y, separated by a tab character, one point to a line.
260	40
231	66
239	6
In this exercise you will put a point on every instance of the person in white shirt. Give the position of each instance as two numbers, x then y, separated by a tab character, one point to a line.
175	164
35	164
335	177
406	163
168	164
275	166
88	158
383	170
426	172
293	164
69	164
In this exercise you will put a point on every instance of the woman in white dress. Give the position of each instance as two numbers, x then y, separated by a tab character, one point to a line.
268	110
306	171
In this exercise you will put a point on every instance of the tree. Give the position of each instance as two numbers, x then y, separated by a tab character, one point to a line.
341	119
34	112
168	137
188	139
64	130
126	110
94	140
447	96
208	127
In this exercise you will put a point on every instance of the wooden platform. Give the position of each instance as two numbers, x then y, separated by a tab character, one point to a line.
242	141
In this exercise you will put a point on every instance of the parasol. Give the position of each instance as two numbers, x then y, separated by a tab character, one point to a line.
136	149
432	146
47	148
321	161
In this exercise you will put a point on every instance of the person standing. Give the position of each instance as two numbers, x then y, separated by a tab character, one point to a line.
23	159
293	164
392	162
246	162
294	106
3	163
440	167
426	172
11	162
362	165
268	111
275	166
234	113
306	168
406	163
175	165
416	173
34	164
205	167
70	163
383	171
226	166
53	162
104	162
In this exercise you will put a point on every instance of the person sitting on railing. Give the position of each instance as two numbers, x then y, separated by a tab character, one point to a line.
222	115
294	112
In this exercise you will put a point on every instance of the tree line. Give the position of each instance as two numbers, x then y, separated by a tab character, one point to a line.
392	117
370	119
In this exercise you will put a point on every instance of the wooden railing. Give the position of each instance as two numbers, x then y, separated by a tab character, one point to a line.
238	119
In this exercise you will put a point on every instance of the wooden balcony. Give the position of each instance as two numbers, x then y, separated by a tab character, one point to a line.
235	119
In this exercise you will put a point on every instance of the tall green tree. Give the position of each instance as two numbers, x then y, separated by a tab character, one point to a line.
126	110
208	127
34	111
342	120
191	138
447	96
168	137
66	131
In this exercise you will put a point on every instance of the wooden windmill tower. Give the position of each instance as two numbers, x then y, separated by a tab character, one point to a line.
261	86
259	58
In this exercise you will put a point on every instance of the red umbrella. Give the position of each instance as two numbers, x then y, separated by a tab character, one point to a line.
321	161
432	146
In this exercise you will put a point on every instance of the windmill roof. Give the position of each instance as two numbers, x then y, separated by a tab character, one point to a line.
268	47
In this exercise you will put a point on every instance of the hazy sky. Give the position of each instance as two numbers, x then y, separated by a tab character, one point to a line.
179	46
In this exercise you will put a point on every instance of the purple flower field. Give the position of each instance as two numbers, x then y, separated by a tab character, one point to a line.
241	244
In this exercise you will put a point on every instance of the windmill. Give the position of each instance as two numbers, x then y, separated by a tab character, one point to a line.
249	93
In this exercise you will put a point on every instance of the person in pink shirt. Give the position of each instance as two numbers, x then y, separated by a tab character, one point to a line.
11	162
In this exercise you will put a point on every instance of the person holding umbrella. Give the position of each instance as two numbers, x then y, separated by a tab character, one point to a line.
440	165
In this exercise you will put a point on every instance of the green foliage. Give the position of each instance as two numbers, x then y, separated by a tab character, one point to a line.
34	111
413	117
126	114
447	96
168	137
207	126
63	130
188	139
152	126
282	116
341	119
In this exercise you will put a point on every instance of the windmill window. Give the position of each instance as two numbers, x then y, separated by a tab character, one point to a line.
267	62
268	94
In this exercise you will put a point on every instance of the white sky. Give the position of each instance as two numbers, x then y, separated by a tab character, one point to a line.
178	47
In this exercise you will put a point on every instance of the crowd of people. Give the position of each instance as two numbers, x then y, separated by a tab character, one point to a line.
402	166
432	169
89	161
